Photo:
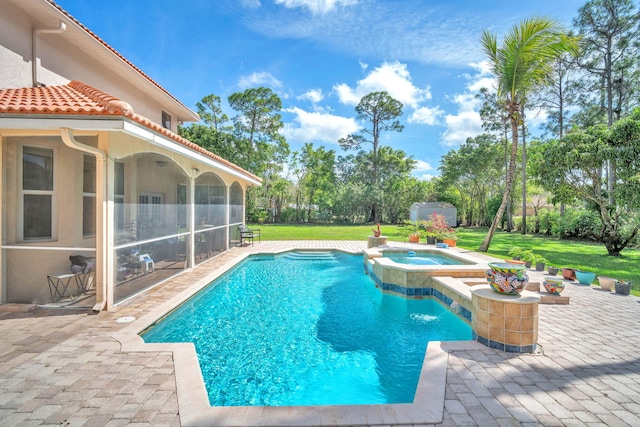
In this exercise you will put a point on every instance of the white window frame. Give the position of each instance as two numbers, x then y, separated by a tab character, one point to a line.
22	192
151	210
89	195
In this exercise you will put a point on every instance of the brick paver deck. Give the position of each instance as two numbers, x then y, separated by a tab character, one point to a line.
64	367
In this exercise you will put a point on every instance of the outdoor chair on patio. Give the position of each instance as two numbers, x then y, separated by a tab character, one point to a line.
247	234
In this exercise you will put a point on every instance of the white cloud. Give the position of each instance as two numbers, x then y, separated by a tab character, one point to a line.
318	127
313	95
392	77
483	79
316	6
422	166
258	79
467	122
425	177
426	33
426	116
460	127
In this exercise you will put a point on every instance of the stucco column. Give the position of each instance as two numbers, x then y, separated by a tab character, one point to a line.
107	222
228	215
191	221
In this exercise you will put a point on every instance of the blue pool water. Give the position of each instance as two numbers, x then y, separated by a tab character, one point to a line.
418	258
296	331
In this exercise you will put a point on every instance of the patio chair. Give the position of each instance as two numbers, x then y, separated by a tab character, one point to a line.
247	234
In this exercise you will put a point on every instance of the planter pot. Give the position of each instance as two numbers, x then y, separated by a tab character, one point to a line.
450	242
431	240
540	266
552	270
553	286
506	278
606	283
623	288
568	273
414	239
585	277
528	264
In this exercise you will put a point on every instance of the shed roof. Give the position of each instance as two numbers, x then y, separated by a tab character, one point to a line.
433	205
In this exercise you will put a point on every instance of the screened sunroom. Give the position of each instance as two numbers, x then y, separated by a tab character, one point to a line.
138	208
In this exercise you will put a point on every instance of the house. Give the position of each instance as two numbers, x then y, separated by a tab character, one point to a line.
420	211
92	166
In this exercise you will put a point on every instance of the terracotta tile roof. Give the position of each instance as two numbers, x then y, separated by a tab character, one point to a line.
115	52
78	99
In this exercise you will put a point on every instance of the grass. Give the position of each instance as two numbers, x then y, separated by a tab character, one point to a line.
561	253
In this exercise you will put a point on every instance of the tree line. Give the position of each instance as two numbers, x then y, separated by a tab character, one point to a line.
368	182
585	81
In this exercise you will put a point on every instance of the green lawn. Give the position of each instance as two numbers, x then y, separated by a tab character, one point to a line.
560	253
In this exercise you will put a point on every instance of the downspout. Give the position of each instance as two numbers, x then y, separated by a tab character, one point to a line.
101	191
34	49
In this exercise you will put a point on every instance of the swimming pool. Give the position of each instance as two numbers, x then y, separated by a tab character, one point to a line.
307	329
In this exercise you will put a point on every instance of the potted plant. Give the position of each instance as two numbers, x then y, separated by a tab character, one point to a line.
622	287
606	283
568	273
552	270
515	252
585	277
436	226
429	231
528	257
540	262
450	237
412	231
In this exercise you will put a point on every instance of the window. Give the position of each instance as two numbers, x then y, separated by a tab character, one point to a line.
37	193
89	196
150	214
166	120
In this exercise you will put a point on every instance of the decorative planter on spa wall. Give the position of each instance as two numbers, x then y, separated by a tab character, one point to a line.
506	278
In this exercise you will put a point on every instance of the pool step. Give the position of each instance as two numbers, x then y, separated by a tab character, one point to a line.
319	256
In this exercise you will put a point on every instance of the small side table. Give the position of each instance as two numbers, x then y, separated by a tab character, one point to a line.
59	284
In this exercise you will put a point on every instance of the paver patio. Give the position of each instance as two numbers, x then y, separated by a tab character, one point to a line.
64	367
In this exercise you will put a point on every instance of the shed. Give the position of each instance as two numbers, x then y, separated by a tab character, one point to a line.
420	211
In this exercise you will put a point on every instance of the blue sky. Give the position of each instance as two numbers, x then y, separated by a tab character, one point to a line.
322	56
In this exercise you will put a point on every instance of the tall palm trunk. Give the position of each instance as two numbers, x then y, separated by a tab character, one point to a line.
484	247
524	174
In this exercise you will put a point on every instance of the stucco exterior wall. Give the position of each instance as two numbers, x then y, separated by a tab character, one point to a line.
27	270
61	61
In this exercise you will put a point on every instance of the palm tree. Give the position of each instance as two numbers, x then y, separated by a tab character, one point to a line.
521	65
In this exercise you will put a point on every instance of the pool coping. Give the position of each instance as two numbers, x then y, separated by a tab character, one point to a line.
193	401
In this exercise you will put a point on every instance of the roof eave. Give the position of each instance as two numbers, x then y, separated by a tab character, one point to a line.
22	122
